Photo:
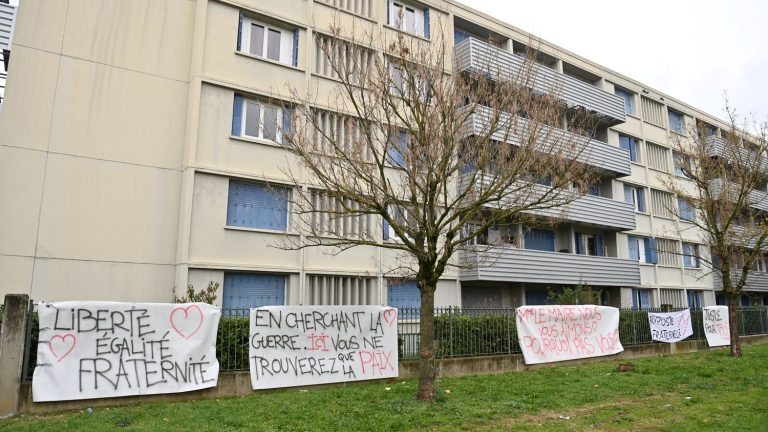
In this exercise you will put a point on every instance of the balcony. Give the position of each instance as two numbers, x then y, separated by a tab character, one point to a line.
757	199
595	153
591	210
756	281
716	147
507	264
472	55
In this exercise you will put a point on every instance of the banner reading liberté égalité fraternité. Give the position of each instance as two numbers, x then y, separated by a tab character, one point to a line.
106	349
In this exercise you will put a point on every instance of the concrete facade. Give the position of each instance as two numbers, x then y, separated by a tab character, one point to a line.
117	156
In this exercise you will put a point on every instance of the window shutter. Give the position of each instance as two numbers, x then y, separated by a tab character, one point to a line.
645	299
628	195
240	32
296	47
426	23
243	290
599	245
385	229
579	248
287	124
389	6
634	248
650	251
237	116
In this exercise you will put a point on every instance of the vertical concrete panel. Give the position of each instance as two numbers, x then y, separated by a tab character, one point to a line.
12	351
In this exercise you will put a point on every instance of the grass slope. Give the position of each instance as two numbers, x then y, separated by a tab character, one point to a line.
700	391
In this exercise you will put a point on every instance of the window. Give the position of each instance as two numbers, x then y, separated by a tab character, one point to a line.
658	157
401	216
479	239
629	105
337	217
255	205
668	252
406	297
641	298
695	299
685	209
340	290
268	41
397	147
679	160
691	255
642	249
251	290
676	122
662	204
539	239
630	144
256	119
589	244
635	195
408	18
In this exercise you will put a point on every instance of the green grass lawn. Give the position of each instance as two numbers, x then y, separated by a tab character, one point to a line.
693	392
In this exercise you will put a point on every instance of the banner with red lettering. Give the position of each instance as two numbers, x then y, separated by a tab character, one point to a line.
716	327
670	326
92	349
305	345
557	333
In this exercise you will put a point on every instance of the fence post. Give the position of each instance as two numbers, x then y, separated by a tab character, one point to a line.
450	330
14	328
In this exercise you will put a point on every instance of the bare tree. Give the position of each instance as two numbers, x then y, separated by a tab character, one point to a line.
436	155
723	201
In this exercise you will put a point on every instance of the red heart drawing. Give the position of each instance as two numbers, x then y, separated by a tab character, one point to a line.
180	317
390	315
61	347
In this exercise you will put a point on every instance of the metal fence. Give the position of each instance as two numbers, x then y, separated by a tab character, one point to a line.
458	333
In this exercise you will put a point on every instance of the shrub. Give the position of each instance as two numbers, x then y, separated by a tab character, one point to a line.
469	335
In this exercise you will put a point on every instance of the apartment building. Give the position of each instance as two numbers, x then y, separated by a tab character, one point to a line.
137	136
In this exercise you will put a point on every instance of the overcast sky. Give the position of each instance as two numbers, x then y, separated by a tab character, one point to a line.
692	50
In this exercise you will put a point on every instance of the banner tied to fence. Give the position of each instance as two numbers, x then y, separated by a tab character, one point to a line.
107	349
304	345
716	327
670	326
557	333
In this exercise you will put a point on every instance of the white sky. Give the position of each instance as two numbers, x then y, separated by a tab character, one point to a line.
691	50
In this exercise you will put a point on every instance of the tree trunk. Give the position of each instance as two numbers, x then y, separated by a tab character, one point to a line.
733	323
428	364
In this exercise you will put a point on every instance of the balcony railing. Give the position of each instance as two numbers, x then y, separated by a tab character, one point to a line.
716	146
757	281
586	209
757	199
508	264
593	152
472	55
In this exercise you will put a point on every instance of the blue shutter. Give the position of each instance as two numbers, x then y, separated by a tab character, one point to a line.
650	250
405	295
539	239
237	116
296	47
598	245
634	248
385	229
630	144
426	23
389	6
240	32
579	248
257	206
645	299
634	298
641	199
287	124
628	195
244	290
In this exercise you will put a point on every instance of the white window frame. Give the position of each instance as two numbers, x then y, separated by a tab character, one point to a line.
398	11
286	41
247	103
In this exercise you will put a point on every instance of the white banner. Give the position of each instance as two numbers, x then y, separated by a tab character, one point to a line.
716	326
107	349
303	345
670	326
557	333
